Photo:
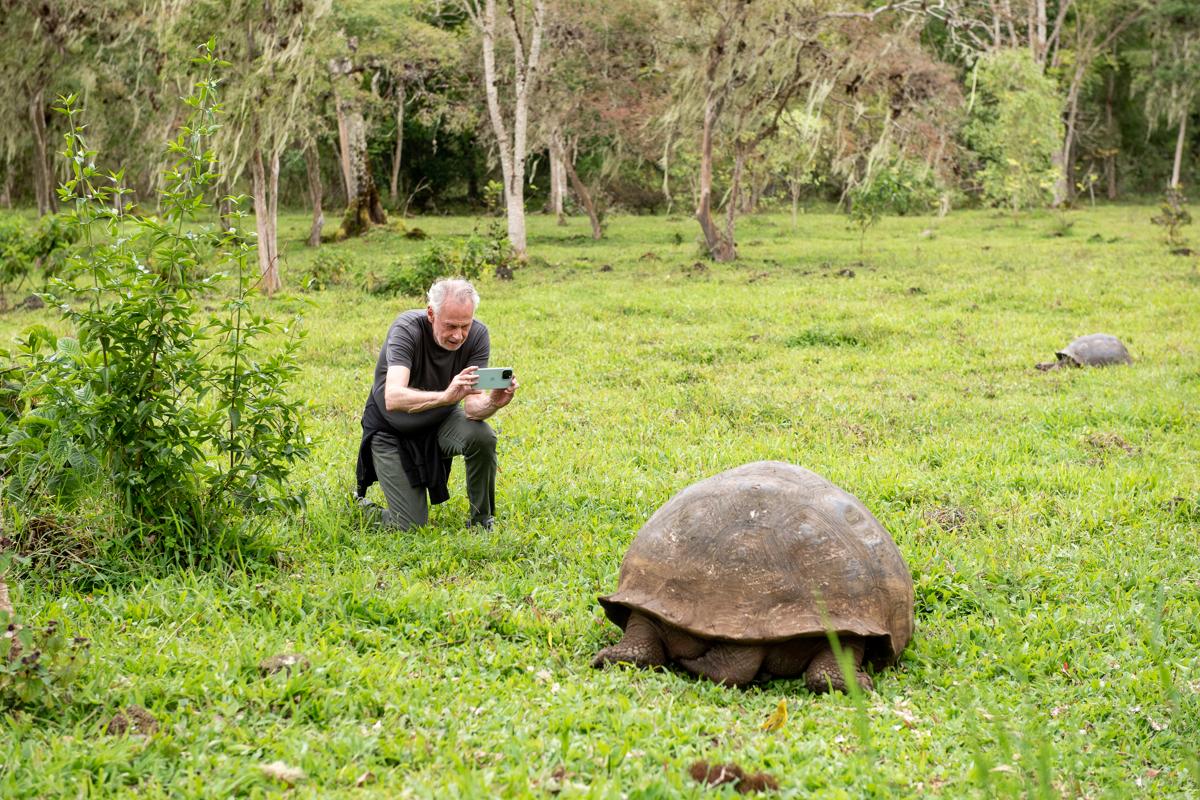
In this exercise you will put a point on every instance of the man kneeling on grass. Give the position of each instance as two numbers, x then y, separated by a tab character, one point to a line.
413	425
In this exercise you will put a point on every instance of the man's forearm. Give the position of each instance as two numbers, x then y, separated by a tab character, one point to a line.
479	406
412	401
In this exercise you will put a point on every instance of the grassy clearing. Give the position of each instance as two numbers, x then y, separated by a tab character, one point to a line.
1050	521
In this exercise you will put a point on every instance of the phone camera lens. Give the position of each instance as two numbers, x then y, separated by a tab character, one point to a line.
506	374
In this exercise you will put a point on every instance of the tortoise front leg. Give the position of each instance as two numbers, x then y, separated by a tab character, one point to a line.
730	664
825	673
641	645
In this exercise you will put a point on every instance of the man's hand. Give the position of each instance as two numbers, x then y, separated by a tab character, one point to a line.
502	397
462	386
485	405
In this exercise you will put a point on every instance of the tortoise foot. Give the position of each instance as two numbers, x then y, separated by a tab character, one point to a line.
640	646
825	674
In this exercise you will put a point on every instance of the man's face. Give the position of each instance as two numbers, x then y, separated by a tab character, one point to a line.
452	324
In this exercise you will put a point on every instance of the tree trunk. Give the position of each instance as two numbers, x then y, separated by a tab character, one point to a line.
1064	185
512	151
6	188
394	187
1176	170
585	197
1110	158
312	166
364	207
343	66
265	187
557	189
731	209
43	176
718	247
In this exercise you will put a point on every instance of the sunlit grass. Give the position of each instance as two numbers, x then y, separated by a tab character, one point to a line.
1050	520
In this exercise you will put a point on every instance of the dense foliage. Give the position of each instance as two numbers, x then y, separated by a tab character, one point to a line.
618	96
184	418
1015	129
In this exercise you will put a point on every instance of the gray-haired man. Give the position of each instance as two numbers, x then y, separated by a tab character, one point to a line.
413	424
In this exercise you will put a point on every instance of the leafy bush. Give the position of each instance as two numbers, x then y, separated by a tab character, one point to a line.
1016	128
468	259
45	246
36	664
1172	216
187	421
900	188
329	268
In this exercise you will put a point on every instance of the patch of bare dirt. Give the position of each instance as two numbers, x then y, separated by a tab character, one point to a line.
948	518
744	782
1109	442
134	719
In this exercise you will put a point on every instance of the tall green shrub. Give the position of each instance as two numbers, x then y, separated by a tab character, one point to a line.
187	418
1015	126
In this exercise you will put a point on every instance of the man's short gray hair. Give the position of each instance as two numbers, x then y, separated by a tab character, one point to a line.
452	289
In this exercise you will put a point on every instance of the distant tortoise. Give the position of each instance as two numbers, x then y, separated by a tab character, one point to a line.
1093	350
741	576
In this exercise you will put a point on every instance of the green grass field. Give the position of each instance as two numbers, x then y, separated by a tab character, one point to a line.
1050	521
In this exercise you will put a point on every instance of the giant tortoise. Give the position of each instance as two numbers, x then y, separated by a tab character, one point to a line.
1093	350
745	574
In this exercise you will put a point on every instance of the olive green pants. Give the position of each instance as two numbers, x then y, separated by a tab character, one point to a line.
408	506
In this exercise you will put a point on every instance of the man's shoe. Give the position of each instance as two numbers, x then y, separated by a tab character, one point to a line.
486	524
368	509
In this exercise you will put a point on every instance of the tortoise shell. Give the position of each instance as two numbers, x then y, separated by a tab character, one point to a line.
767	552
1095	350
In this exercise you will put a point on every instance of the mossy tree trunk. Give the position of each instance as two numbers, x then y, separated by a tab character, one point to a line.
363	206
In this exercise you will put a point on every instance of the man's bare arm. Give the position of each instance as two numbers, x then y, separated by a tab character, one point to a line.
398	396
482	405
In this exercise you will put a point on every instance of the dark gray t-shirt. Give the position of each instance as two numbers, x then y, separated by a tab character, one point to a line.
410	343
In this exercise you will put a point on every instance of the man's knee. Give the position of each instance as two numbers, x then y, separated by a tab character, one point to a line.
478	437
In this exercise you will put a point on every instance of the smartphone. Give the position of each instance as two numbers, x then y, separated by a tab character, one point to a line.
494	378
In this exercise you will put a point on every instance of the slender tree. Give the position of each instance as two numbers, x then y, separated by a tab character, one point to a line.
522	24
274	56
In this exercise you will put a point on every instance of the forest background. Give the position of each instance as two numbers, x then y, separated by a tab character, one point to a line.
721	109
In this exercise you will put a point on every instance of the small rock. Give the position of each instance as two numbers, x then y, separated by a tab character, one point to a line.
845	273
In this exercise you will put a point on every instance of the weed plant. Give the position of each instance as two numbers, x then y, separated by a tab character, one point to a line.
1049	520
